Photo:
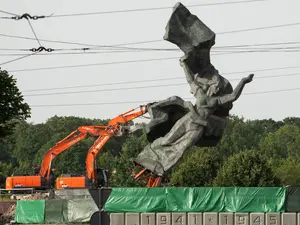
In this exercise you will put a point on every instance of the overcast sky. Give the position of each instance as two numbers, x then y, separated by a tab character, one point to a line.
139	26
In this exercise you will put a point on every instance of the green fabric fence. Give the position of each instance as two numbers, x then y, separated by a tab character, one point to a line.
198	199
30	211
56	211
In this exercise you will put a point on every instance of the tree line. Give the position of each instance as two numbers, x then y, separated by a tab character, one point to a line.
251	152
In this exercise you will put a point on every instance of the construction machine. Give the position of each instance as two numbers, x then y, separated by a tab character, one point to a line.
117	126
44	176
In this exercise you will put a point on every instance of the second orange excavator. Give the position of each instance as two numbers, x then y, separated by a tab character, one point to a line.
118	126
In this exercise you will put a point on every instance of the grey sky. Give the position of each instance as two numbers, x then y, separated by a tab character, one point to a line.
118	28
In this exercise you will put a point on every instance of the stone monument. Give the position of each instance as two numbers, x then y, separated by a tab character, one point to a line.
177	125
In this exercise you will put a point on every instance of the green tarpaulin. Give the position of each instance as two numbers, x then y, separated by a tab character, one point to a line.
56	211
199	199
30	211
81	210
293	199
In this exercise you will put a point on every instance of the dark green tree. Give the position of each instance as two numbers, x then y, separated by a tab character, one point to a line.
124	164
292	121
288	171
241	135
12	106
283	143
246	169
198	168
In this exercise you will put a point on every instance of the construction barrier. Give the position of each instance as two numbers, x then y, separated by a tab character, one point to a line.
56	211
209	218
30	211
251	206
198	199
75	206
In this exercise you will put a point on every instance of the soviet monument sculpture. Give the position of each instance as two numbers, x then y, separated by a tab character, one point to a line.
176	124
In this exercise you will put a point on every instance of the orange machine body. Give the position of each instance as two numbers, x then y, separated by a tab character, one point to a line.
71	182
24	182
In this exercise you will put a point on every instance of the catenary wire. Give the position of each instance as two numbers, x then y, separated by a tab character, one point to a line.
123	11
165	79
216	49
9	13
34	33
16	59
137	102
143	87
152	9
141	42
93	64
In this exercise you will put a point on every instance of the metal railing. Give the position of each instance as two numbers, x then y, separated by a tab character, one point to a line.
4	191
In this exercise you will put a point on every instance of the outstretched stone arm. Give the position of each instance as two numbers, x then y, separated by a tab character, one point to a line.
236	92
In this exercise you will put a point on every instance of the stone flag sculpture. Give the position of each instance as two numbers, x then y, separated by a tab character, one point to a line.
176	124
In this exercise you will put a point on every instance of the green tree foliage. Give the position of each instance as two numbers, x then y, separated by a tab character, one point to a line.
198	168
244	169
242	135
288	171
251	152
283	143
12	106
124	164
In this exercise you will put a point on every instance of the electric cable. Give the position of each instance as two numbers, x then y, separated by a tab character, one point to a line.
138	102
140	42
142	87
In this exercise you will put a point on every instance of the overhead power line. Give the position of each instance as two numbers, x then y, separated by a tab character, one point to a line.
28	16
36	38
152	9
91	50
146	81
93	64
215	52
142	87
141	42
9	13
145	102
17	59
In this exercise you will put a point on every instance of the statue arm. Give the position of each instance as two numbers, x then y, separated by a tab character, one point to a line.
236	92
188	73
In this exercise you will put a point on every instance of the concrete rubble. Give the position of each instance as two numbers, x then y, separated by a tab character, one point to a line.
35	196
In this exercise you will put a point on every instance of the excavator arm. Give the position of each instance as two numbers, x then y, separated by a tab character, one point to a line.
73	138
91	157
116	127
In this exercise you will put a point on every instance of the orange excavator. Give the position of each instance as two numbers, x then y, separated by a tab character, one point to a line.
118	126
43	179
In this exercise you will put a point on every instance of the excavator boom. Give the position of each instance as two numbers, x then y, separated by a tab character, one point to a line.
116	127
